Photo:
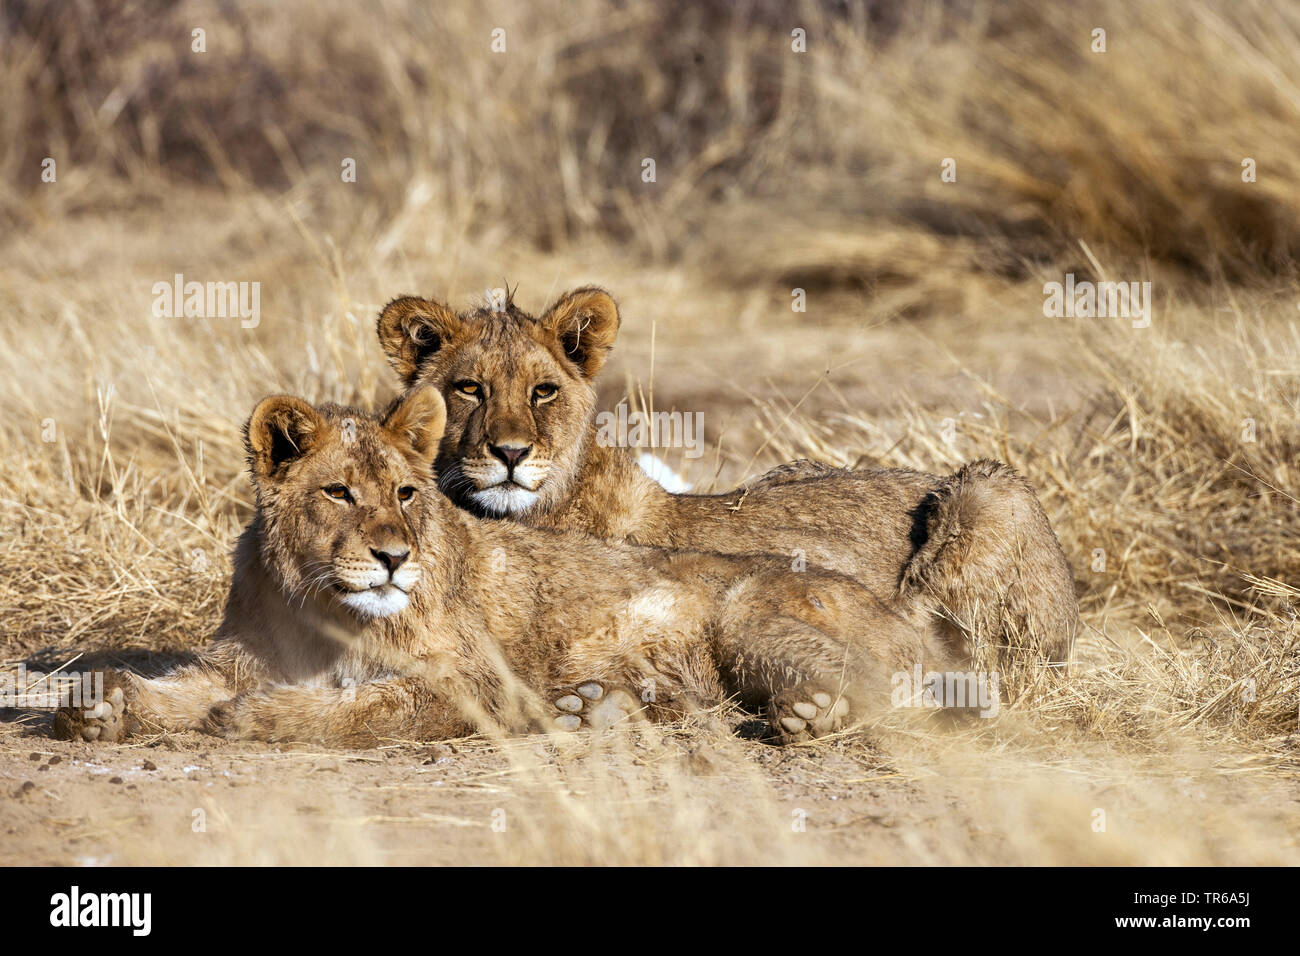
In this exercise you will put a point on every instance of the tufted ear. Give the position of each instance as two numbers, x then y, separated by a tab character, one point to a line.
585	321
419	418
281	429
412	329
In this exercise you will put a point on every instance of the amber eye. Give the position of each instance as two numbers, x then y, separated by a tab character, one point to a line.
472	389
405	493
545	392
337	492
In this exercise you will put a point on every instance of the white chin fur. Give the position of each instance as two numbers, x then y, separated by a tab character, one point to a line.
376	602
500	500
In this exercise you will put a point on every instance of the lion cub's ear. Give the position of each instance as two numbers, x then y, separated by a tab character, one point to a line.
281	429
585	321
419	418
411	329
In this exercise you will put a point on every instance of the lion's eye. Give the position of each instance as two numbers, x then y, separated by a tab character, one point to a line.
472	389
545	392
337	492
405	493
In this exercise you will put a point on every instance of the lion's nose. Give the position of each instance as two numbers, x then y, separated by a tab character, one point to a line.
392	560
511	455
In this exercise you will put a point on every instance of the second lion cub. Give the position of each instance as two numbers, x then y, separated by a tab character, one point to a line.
365	606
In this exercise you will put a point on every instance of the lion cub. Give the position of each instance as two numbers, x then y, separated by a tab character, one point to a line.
973	552
365	607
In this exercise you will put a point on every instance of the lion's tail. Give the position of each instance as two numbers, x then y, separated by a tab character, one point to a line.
992	564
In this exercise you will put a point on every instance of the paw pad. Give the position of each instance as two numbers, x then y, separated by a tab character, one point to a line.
105	722
803	714
593	705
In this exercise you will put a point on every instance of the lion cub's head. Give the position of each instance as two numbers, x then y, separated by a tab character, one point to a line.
343	497
518	391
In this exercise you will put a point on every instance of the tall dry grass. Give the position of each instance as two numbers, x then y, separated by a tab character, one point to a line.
1138	148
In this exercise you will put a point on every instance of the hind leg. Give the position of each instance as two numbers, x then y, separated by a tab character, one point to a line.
814	650
803	679
806	683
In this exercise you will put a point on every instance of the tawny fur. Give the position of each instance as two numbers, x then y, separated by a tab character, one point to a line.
973	552
497	614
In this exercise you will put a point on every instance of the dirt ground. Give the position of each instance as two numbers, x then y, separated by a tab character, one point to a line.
677	795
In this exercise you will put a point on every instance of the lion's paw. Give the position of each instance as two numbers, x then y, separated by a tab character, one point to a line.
805	713
594	705
107	722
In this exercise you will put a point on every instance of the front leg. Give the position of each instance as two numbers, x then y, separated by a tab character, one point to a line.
177	701
402	708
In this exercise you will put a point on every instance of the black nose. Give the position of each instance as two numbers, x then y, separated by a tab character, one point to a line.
392	560
510	454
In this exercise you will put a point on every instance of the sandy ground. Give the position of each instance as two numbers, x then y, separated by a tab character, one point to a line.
676	794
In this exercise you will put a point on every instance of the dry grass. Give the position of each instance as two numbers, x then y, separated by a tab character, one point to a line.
1166	456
